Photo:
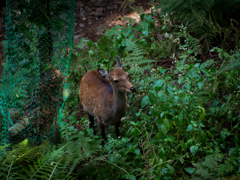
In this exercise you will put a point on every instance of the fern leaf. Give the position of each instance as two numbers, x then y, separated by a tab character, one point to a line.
208	63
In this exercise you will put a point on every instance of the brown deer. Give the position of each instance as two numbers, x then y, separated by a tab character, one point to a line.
103	95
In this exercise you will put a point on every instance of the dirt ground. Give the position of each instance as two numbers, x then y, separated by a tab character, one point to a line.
92	18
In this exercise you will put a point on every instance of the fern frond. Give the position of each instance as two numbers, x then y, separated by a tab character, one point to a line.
135	58
231	62
208	63
46	164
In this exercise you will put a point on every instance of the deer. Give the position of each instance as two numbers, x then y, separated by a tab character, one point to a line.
103	95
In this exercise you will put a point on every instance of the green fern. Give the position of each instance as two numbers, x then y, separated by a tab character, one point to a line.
232	61
47	162
204	17
135	58
12	162
216	165
208	63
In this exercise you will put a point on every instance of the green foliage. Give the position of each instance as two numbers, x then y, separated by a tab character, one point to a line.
135	58
183	120
231	60
48	162
216	164
205	18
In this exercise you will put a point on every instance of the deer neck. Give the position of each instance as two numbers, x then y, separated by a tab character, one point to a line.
119	99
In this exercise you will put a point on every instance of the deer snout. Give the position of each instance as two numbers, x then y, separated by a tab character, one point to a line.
133	89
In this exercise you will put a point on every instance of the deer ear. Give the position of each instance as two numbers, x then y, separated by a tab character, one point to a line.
104	73
119	64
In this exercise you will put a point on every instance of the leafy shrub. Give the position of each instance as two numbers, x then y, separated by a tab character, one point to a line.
183	121
207	20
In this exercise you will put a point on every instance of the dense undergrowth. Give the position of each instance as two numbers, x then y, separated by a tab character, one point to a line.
183	122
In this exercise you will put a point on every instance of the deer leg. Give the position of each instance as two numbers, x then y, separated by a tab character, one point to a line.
116	126
102	130
91	123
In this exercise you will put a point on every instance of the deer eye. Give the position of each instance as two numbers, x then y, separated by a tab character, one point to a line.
116	81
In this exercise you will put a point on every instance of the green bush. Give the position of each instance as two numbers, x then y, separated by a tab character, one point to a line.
183	121
207	20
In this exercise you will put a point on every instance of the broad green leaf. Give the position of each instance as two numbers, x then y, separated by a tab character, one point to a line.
162	114
171	138
190	51
158	84
132	177
138	113
159	134
180	121
200	85
185	99
220	55
202	115
190	170
133	123
187	86
162	96
145	32
166	124
215	103
192	73
175	99
183	145
169	89
143	41
134	132
201	124
181	160
125	139
72	118
152	98
180	80
145	101
226	55
148	17
193	150
179	132
155	111
70	128
189	128
203	136
137	151
164	130
161	153
89	43
91	53
197	65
